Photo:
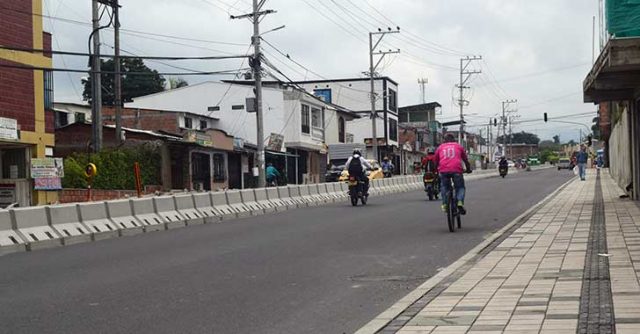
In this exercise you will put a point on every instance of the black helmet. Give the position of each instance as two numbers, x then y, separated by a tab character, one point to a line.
449	137
356	151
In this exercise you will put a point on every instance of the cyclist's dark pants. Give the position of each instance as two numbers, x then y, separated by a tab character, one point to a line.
445	183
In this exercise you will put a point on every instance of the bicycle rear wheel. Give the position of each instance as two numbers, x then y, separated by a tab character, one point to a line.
451	213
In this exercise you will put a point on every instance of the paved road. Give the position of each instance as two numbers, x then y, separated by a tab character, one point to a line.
317	270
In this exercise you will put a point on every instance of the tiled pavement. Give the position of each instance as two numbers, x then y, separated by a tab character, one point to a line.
535	280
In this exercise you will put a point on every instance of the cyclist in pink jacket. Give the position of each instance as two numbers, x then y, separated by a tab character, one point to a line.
450	157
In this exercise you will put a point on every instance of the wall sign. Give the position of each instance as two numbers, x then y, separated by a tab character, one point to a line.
8	128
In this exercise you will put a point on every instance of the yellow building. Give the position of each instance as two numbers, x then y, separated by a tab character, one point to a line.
26	102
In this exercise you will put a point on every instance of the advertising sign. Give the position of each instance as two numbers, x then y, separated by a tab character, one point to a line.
47	184
47	168
275	142
198	138
8	128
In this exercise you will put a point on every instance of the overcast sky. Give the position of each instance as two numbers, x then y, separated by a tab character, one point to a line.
537	52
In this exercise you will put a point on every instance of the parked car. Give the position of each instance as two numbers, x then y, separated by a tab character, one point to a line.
333	173
376	173
564	163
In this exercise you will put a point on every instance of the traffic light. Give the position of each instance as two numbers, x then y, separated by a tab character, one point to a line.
545	117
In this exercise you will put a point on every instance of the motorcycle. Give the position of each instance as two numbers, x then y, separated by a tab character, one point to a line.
387	171
357	191
431	185
503	171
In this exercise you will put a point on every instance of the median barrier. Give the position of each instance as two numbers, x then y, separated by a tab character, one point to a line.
234	200
375	187
144	210
323	191
10	240
306	196
334	192
263	200
314	192
120	213
274	198
202	202
285	197
32	224
66	221
94	217
187	208
249	200
220	203
296	196
165	207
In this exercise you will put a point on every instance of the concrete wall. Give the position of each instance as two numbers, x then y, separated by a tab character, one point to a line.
619	151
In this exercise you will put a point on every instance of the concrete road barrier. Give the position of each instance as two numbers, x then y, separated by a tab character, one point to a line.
334	191
323	191
32	224
314	192
10	240
234	200
121	214
274	198
220	203
286	198
144	210
306	196
187	208
263	200
202	202
294	191
66	221
94	217
165	207
249	200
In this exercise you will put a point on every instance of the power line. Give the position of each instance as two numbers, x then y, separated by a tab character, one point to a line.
54	69
68	53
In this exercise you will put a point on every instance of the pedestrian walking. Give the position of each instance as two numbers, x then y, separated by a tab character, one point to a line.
582	157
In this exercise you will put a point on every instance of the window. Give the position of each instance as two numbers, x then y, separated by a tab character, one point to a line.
219	170
61	119
203	125
237	107
81	117
316	118
188	122
48	90
341	130
305	119
393	100
393	129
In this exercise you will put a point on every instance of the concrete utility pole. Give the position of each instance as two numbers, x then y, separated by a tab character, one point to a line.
96	83
464	77
256	66
423	89
503	120
117	82
372	71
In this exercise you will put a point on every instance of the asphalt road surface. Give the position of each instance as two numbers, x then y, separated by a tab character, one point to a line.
327	269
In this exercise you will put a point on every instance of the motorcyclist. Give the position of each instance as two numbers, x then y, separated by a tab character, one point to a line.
503	162
359	172
449	158
272	174
429	166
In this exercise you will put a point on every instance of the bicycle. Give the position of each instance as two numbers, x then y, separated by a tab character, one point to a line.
453	214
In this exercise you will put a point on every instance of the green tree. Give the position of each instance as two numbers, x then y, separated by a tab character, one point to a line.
521	138
137	80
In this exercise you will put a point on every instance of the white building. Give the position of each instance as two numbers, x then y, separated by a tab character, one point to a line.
297	125
353	94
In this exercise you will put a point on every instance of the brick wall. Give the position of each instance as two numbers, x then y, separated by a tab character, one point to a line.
144	119
16	97
16	23
80	195
46	44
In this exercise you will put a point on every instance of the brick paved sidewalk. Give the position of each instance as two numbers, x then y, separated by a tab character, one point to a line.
572	266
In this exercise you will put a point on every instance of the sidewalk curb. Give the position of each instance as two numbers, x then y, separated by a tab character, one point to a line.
396	309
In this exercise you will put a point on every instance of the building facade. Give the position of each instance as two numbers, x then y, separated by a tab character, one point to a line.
26	101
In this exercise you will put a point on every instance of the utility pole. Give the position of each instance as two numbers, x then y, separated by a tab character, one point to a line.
464	77
372	71
504	119
423	89
256	66
117	82
96	83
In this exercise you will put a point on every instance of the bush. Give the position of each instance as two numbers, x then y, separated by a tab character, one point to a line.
115	168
